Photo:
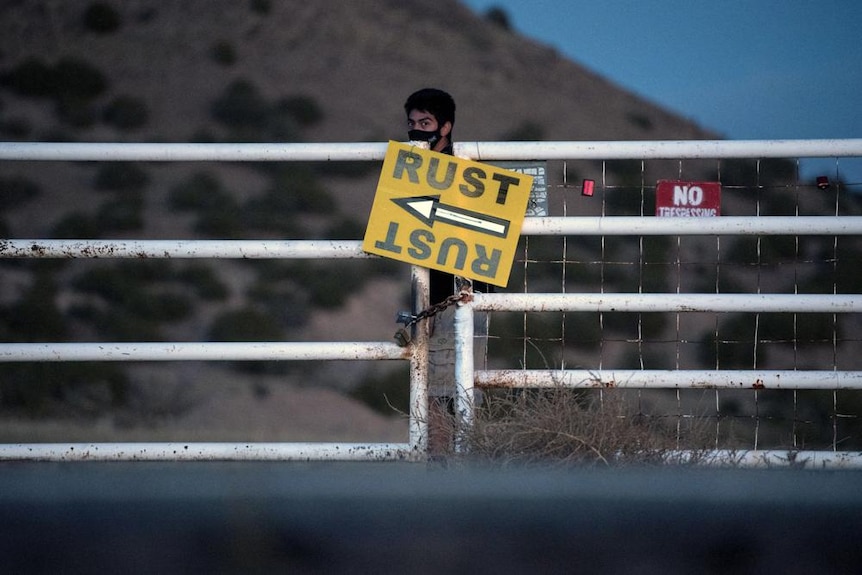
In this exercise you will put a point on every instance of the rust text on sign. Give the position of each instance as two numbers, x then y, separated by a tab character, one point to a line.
447	213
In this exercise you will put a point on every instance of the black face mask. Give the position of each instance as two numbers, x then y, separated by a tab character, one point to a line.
423	136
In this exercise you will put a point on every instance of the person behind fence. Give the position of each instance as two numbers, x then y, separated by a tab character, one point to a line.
431	118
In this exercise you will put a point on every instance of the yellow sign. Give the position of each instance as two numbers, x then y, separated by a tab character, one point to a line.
447	213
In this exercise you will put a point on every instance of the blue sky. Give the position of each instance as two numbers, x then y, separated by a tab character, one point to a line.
756	69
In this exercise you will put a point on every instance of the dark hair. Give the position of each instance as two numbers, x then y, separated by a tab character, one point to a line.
435	101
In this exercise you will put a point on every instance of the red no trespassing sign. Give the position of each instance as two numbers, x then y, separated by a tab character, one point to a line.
677	199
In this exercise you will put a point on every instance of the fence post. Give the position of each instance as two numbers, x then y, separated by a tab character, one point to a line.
464	391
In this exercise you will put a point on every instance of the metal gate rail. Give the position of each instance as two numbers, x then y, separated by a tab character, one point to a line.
466	376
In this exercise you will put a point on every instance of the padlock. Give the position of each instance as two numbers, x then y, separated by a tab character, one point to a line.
402	337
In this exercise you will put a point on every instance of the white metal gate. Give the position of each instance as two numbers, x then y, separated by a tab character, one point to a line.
467	375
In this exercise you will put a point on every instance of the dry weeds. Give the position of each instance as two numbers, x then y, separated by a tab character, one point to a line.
563	426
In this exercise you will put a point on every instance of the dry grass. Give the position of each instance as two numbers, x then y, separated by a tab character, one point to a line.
562	426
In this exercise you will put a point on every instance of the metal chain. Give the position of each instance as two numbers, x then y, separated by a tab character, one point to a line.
402	336
436	308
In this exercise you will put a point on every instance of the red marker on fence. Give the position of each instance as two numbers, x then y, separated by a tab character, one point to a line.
589	186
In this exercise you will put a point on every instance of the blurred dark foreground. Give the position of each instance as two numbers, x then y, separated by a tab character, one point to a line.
415	518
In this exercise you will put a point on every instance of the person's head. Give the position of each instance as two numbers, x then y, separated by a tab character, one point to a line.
430	117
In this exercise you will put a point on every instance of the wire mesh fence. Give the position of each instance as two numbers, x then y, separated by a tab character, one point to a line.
754	417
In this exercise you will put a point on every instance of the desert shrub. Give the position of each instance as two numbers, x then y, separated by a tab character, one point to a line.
76	112
325	282
31	78
283	300
126	113
241	106
78	80
76	226
632	325
345	229
304	110
204	281
640	120
804	327
499	17
101	18
844	277
223	53
298	188
388	394
202	191
733	346
16	191
133	299
224	224
218	213
35	316
762	249
262	7
245	324
44	387
348	169
16	128
121	176
122	214
560	426
248	116
67	389
71	83
526	131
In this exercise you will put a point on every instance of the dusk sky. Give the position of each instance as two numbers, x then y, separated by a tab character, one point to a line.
756	69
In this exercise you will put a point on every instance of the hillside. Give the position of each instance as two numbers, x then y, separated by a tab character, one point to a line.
256	70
